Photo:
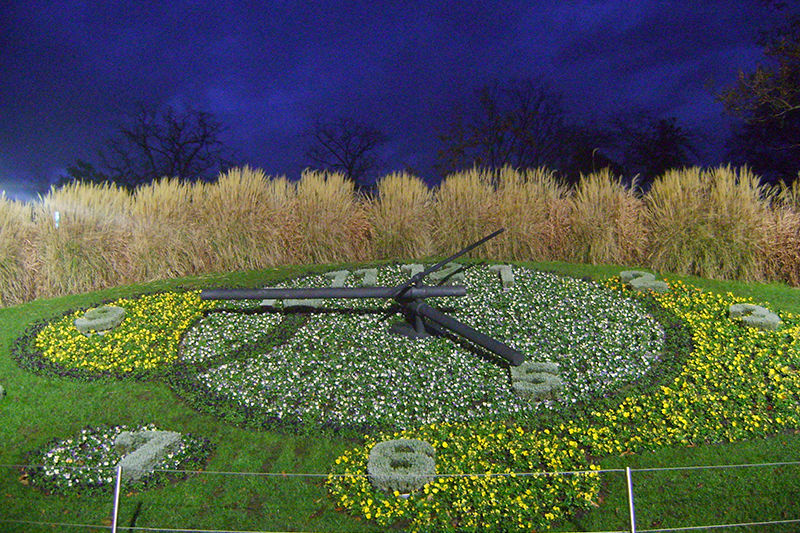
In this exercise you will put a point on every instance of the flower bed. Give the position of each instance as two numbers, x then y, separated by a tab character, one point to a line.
86	462
483	491
338	368
738	383
341	369
145	342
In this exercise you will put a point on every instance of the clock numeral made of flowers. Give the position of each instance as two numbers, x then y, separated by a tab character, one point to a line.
642	281
401	465
537	381
755	316
143	450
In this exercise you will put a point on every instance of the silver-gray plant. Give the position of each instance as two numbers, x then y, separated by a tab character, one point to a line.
402	465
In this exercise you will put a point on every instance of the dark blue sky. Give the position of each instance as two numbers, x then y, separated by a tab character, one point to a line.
69	69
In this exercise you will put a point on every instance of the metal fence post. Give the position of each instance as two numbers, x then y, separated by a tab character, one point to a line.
630	499
115	513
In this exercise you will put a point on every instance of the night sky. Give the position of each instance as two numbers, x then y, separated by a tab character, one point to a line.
267	70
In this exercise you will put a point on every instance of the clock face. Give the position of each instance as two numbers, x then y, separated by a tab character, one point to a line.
337	364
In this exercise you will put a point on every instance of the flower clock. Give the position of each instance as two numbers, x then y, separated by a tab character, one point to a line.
627	381
342	367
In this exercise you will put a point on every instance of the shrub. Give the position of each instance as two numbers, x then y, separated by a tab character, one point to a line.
87	250
170	231
248	219
782	248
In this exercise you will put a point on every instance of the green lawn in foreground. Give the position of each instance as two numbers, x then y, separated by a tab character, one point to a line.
38	409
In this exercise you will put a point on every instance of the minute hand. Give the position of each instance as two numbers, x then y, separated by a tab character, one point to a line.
503	350
401	289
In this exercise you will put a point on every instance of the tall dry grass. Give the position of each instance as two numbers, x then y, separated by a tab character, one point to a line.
328	222
87	250
716	223
464	211
165	230
607	222
400	218
709	223
245	219
16	230
534	208
782	248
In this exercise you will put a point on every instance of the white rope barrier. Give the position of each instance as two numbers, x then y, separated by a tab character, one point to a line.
628	471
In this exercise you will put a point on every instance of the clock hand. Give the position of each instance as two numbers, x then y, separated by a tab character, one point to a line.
416	280
501	349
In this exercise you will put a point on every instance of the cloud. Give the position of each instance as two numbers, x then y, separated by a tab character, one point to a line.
70	68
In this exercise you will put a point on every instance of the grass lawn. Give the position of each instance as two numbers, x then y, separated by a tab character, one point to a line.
41	407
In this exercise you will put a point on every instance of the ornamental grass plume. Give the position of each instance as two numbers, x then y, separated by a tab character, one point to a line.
400	218
782	247
16	279
329	223
166	240
533	206
708	223
85	249
246	217
607	221
465	211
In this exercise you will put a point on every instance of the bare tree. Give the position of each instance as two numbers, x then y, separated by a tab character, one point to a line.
649	146
154	143
767	101
346	145
521	123
772	91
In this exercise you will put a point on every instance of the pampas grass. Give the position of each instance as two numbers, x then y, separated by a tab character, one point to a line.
400	218
709	223
607	222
